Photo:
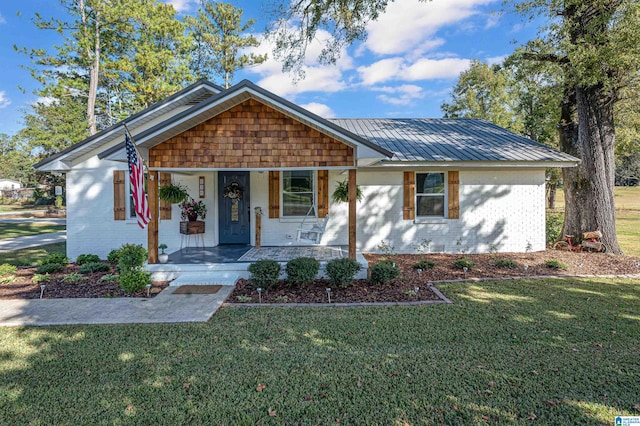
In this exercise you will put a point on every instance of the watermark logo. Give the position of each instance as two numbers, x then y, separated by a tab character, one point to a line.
627	421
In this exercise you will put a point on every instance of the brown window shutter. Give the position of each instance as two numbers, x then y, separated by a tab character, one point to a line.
274	194
323	193
454	195
119	194
409	211
165	206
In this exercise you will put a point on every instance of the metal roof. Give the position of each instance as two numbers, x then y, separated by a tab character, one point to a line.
450	140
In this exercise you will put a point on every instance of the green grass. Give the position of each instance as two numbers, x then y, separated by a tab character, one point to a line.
4	208
626	198
564	351
12	230
31	256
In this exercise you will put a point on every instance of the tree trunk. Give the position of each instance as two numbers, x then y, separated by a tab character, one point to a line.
552	190
93	56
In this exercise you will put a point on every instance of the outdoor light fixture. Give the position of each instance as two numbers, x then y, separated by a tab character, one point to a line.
259	290
148	289
416	289
419	273
526	267
42	286
465	269
328	289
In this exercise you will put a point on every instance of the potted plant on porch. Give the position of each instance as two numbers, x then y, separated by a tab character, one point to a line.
192	209
341	193
163	257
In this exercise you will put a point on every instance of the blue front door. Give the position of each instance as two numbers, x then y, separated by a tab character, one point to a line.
234	209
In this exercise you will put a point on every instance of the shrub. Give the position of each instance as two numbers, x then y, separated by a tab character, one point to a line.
90	267
383	272
87	258
56	259
40	278
6	269
49	268
554	223
342	271
264	273
464	262
424	264
113	256
131	257
72	278
505	263
134	280
109	278
302	270
556	264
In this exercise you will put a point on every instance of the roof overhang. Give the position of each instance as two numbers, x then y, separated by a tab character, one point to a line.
366	152
146	118
480	164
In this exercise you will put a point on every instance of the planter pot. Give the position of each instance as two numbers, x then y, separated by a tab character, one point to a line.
192	217
163	258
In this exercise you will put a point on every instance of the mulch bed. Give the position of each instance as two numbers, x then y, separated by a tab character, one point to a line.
24	288
401	289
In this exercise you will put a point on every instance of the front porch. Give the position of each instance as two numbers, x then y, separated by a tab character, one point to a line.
232	261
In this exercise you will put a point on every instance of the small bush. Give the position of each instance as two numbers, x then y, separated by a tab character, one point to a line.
109	278
553	224
131	257
56	259
49	268
90	267
464	262
556	264
302	270
424	264
40	278
72	278
113	256
134	280
383	272
264	273
505	263
6	269
87	258
342	271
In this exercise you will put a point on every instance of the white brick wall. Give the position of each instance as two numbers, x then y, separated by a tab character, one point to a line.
498	207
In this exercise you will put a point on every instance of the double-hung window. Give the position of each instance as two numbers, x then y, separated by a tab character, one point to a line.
430	194
298	193
131	211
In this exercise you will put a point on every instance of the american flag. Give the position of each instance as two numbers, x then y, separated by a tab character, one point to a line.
136	177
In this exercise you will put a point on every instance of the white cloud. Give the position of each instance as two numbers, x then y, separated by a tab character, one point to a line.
318	78
320	109
496	59
4	101
423	69
409	25
430	69
180	5
45	100
405	94
2	20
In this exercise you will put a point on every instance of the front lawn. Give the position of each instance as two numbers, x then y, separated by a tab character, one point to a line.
13	230
541	351
31	256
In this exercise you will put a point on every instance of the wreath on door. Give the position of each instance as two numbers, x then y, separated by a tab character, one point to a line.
233	191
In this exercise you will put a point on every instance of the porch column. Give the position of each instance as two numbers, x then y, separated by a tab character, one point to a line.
352	213
152	227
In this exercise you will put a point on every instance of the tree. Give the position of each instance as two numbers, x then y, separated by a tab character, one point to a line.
15	161
596	43
219	36
485	92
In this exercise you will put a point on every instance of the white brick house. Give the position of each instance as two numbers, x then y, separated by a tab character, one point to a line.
460	184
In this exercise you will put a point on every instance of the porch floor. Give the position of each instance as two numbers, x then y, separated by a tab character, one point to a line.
245	253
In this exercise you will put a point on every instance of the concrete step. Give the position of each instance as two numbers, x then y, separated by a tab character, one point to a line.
210	278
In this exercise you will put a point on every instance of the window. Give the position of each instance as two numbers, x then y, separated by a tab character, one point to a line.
131	211
430	194
298	193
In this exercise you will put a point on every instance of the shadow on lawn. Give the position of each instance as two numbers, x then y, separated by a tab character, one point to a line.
562	351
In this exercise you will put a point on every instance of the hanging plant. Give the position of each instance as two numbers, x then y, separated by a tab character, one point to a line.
173	193
233	191
341	193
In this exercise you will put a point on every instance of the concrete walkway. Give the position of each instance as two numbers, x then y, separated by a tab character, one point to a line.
19	243
164	308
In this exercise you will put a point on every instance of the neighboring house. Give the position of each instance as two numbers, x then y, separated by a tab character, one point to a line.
461	184
8	184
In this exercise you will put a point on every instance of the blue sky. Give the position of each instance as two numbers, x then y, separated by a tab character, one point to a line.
406	68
